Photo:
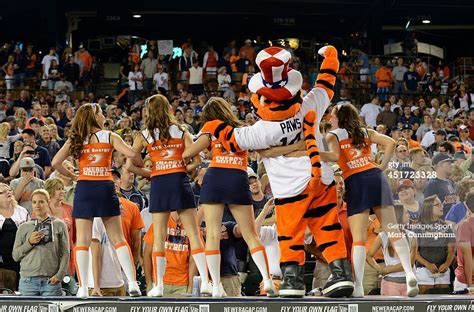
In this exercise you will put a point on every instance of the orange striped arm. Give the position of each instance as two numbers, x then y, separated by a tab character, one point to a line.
311	145
224	133
328	71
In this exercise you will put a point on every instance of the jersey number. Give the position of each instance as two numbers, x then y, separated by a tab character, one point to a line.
284	141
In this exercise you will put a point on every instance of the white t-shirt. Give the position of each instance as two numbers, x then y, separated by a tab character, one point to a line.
161	80
135	84
47	64
269	238
195	75
111	272
428	139
370	111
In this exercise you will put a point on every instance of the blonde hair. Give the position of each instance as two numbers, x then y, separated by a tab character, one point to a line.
51	127
13	201
51	184
4	129
42	192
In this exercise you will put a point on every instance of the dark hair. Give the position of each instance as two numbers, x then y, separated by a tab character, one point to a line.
399	212
470	201
426	212
349	119
30	132
448	146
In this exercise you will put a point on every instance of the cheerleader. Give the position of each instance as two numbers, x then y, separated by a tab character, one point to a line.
95	192
226	182
366	187
165	141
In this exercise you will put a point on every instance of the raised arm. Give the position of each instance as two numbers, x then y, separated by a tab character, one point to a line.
199	145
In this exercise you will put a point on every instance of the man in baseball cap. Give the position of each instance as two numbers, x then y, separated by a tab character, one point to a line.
26	183
441	185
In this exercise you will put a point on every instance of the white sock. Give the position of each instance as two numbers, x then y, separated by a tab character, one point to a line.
200	259
259	256
403	251
125	257
82	265
358	262
213	258
159	267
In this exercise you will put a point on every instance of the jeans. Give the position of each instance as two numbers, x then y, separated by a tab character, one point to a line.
382	93
38	286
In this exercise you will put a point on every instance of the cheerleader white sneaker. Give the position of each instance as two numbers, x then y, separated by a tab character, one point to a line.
412	286
218	291
206	289
269	288
156	291
358	291
82	293
134	289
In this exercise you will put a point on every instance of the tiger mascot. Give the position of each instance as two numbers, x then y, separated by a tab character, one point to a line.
304	188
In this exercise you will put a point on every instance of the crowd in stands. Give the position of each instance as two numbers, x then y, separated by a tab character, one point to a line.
428	113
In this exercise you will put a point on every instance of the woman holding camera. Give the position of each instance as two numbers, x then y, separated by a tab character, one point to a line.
42	248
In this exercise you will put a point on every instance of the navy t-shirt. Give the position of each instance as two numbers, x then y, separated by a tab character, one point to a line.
41	157
445	191
228	257
411	78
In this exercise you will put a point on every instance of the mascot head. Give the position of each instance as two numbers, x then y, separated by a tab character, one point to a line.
275	81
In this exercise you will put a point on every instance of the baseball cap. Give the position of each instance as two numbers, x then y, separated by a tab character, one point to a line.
463	127
81	46
460	155
253	175
452	137
10	118
396	128
405	183
115	171
406	127
248	41
441	157
449	118
441	132
27	162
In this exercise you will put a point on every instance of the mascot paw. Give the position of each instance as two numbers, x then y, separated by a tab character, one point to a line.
328	51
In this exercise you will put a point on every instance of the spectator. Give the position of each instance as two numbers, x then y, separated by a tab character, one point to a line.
196	75
387	117
449	126
411	79
407	133
406	194
84	56
105	278
128	189
419	158
393	281
42	248
384	81
436	244
430	136
53	74
40	154
465	240
9	70
441	185
407	117
424	128
398	77
23	102
460	210
185	63
62	211
161	79
148	68
223	80
370	111
210	61
47	142
24	186
462	100
72	71
363	63
11	217
248	51
180	268
135	83
374	67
